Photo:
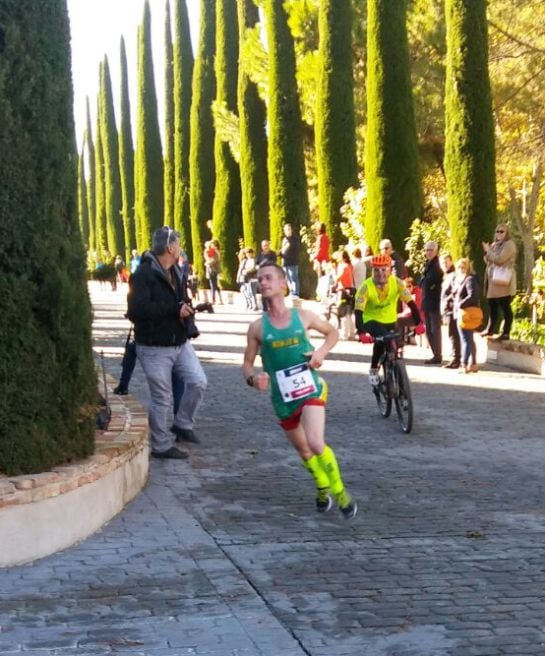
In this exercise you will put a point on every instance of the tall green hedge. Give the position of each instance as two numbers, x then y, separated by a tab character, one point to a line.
391	158
201	150
227	208
168	175
91	182
469	147
183	76
101	234
148	173
286	165
47	380
335	124
126	159
110	154
253	144
83	212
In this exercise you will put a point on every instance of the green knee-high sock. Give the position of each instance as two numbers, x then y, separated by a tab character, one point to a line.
320	477
329	465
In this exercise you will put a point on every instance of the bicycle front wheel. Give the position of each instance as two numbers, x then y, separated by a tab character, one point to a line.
403	398
383	394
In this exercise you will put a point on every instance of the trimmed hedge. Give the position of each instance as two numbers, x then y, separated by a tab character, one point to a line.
47	380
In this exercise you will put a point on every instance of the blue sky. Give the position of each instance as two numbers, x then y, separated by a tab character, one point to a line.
96	29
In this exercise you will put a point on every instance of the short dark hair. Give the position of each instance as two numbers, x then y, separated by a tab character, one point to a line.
273	265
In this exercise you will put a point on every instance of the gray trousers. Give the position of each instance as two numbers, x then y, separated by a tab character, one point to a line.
159	363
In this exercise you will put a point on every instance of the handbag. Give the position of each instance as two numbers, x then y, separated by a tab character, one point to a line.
470	318
501	275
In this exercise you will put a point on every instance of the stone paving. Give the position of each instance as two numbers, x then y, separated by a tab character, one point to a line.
224	555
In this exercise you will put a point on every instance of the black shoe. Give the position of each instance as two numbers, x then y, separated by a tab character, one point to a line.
433	361
185	435
121	391
453	364
173	453
503	338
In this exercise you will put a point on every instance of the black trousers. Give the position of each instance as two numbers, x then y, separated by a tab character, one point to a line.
502	304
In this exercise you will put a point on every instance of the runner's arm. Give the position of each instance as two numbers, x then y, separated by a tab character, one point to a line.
330	333
259	381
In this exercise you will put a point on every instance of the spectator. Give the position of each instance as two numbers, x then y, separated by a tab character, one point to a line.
247	278
431	301
447	311
212	263
159	308
320	255
467	295
398	265
359	267
135	261
289	252
266	256
346	293
501	280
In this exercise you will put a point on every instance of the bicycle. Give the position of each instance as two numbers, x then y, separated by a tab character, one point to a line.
394	382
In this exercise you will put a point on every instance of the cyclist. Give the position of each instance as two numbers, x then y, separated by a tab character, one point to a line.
376	307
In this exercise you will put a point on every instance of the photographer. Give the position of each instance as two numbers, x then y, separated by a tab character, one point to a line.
160	310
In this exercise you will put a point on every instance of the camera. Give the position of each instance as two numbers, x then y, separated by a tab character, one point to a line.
190	326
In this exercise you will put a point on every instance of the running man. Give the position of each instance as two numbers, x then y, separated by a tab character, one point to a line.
376	307
298	393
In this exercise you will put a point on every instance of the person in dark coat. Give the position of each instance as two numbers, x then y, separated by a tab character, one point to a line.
160	310
431	301
447	311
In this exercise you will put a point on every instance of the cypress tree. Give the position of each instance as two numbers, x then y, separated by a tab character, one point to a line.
227	209
183	75
469	143
335	124
149	205
91	183
47	381
83	213
101	233
201	149
126	160
391	158
168	177
286	166
110	154
253	144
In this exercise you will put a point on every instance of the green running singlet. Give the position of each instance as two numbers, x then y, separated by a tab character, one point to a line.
282	352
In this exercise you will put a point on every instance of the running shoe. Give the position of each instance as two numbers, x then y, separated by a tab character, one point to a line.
347	505
323	500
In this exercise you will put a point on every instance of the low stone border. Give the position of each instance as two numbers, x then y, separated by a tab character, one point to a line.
47	512
520	356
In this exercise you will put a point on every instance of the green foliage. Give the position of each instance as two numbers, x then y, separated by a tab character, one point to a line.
253	137
391	163
126	160
91	181
227	127
353	213
168	174
110	155
201	154
101	234
47	380
83	212
422	232
469	147
149	200
335	128
525	331
227	208
183	75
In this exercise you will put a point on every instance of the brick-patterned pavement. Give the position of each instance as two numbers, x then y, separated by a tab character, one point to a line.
224	555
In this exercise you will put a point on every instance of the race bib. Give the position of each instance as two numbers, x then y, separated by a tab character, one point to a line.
295	382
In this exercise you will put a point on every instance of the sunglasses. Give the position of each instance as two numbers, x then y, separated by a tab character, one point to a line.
500	232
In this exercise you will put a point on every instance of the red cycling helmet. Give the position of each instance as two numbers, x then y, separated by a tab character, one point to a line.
379	261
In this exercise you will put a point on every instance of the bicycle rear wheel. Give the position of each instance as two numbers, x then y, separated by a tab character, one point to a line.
382	394
403	398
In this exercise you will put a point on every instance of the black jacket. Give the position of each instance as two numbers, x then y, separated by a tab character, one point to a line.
431	286
290	250
154	305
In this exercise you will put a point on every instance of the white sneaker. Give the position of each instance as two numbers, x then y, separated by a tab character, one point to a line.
373	377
